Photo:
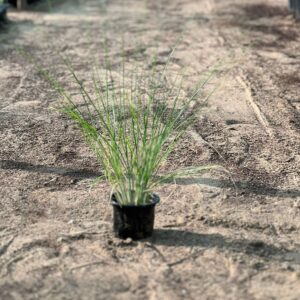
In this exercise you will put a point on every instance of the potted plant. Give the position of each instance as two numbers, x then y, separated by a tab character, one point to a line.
133	124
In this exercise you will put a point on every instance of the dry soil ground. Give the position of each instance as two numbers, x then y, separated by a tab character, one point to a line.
212	241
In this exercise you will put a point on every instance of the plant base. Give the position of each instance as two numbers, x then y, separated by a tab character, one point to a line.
134	222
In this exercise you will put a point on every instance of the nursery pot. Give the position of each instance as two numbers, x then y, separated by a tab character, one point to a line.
136	222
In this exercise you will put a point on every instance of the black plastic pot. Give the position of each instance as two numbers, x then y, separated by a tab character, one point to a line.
132	221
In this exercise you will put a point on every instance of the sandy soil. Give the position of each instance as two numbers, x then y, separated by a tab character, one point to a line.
212	241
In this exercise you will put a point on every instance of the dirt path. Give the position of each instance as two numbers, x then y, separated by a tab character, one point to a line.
212	241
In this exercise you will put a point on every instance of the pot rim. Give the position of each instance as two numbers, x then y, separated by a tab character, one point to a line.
155	198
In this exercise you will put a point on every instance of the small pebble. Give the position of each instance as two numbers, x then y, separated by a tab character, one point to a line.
287	266
60	240
128	241
180	220
225	197
297	204
65	250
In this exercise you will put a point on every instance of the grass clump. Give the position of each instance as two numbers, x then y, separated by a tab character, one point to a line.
133	124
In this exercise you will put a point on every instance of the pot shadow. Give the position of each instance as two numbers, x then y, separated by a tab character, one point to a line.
264	19
43	5
243	187
181	238
56	6
256	11
75	173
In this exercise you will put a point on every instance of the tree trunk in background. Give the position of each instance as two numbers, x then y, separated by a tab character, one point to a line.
21	4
